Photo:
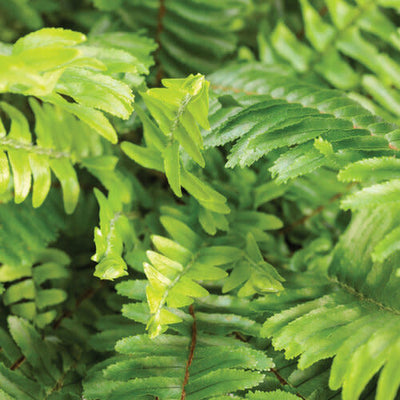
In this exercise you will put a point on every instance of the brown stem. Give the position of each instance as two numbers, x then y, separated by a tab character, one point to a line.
284	382
280	378
191	352
18	363
240	337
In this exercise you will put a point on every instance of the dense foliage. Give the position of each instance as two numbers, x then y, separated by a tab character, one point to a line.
199	199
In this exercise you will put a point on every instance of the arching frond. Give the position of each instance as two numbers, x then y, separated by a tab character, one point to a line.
309	126
26	70
28	159
356	324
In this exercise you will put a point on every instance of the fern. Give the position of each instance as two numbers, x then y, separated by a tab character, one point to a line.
136	376
187	105
335	43
353	375
323	122
211	38
40	374
27	231
199	200
111	238
366	294
175	358
69	75
26	296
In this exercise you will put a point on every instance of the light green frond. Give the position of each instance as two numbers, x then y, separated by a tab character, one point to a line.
373	196
371	170
51	63
114	237
173	272
178	128
177	109
26	159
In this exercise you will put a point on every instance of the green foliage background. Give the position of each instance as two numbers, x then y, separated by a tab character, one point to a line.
199	199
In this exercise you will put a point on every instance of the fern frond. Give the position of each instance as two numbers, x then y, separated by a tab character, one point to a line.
173	272
28	70
345	322
33	367
215	368
341	45
212	36
48	153
294	114
383	170
27	231
26	159
190	258
37	158
371	170
217	364
372	196
187	108
25	293
114	236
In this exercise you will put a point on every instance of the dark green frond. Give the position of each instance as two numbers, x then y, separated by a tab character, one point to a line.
357	323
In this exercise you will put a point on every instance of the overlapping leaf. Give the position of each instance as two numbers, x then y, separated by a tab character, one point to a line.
218	365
